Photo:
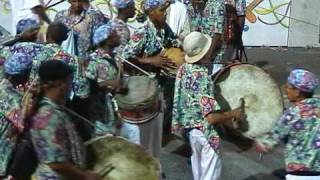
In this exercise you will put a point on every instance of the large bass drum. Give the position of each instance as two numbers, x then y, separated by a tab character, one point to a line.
118	159
262	97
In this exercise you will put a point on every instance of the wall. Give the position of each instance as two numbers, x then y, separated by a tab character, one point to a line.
273	25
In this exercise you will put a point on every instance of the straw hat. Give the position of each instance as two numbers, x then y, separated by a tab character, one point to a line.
196	45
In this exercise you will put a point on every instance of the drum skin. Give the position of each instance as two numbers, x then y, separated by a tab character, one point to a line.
262	97
141	104
128	160
142	93
176	55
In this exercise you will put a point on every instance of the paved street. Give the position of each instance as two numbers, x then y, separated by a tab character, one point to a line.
240	161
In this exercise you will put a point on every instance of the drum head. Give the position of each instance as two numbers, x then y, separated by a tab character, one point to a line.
118	159
262	97
176	55
142	92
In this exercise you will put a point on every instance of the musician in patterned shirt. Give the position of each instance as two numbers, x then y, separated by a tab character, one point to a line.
126	9
299	127
195	109
12	119
208	17
59	149
82	23
103	74
145	48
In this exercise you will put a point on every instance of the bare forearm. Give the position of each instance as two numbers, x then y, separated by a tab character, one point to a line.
67	170
218	118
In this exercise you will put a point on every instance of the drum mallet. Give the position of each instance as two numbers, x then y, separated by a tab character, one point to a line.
137	67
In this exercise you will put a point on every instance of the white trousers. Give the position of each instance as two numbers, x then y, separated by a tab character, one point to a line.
293	177
147	134
205	162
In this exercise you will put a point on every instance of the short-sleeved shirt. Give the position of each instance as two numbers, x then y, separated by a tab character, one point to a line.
83	26
300	128
11	122
193	101
148	41
211	22
102	67
55	140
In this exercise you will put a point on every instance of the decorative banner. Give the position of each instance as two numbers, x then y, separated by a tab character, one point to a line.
267	23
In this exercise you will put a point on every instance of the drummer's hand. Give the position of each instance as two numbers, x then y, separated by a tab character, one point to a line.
260	147
89	175
238	113
162	62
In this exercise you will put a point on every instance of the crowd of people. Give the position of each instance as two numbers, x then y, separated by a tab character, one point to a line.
43	81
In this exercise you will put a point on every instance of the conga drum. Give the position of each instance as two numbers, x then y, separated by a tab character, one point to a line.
176	55
141	104
115	158
263	103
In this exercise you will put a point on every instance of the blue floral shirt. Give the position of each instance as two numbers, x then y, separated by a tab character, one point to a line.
211	22
55	140
84	26
102	67
300	128
148	41
11	122
193	101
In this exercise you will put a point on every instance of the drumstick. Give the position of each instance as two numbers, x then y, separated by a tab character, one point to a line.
81	117
137	67
54	4
105	170
260	156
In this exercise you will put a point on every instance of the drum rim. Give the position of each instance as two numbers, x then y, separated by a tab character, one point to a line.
126	105
141	120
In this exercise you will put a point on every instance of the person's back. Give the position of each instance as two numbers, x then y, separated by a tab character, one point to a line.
12	116
54	138
10	103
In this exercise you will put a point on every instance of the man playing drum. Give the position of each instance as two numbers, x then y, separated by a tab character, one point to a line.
145	48
299	127
58	146
195	109
126	9
103	74
17	70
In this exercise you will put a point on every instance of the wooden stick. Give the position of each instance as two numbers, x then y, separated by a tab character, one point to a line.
54	4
